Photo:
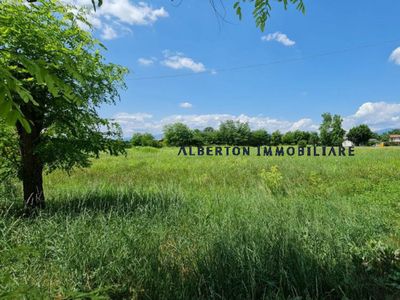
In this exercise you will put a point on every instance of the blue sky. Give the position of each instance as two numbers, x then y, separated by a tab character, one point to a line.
165	38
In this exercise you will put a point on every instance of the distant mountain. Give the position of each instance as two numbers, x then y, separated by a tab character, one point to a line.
384	130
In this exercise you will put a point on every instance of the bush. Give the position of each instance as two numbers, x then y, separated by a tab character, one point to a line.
302	143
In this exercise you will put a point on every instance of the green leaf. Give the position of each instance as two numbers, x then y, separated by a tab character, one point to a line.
25	124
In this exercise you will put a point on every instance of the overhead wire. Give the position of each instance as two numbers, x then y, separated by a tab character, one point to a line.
266	64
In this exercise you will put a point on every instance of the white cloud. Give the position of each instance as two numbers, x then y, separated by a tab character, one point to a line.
304	125
108	33
279	37
146	62
377	115
178	61
395	56
185	105
114	16
138	122
137	116
130	13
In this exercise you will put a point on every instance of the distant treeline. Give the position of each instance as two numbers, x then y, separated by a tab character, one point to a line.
239	134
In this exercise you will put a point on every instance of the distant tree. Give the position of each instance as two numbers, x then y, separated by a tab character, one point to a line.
276	137
331	130
375	136
198	138
259	137
208	129
302	143
359	134
325	129
136	139
299	135
147	140
211	138
384	137
313	139
394	131
337	134
177	135
287	138
234	133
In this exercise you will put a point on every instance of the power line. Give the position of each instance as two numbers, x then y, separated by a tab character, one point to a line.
267	64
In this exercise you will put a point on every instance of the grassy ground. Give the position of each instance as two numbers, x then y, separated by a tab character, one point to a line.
154	225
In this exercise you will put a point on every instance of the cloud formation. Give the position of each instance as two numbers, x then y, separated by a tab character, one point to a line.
114	17
279	37
179	61
377	115
141	122
395	56
185	105
147	62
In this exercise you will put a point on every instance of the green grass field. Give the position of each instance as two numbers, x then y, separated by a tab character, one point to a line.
154	225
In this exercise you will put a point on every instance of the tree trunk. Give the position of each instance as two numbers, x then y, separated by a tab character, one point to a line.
32	167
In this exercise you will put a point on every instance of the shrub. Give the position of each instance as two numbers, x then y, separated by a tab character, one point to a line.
302	143
272	179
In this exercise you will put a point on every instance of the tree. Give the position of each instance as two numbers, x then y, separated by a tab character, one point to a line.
208	129
359	134
10	160
299	135
325	129
313	140
198	138
384	137
262	9
50	92
177	135
147	140
136	139
276	137
259	137
302	143
331	130
234	133
210	137
260	13
287	138
337	134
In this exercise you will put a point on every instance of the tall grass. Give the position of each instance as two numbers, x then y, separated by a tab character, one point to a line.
154	225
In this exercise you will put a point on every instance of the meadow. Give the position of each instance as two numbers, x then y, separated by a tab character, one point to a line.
154	225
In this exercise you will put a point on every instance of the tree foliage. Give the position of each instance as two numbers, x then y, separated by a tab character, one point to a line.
10	160
234	133
276	138
360	134
178	134
262	9
259	137
331	130
53	80
145	140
